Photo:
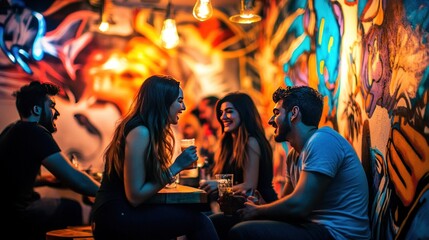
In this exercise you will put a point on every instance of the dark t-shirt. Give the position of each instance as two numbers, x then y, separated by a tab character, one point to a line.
23	146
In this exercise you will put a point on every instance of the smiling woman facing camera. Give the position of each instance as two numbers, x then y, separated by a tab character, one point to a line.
245	151
137	166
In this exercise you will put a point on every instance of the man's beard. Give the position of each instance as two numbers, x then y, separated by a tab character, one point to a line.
283	130
47	123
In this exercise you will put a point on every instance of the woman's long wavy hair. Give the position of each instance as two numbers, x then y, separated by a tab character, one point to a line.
251	125
150	108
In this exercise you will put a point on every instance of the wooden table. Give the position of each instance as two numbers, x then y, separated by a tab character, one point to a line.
180	195
75	233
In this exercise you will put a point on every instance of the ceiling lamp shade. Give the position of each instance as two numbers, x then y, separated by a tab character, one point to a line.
247	13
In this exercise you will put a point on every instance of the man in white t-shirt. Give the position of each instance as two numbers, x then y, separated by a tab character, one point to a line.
326	191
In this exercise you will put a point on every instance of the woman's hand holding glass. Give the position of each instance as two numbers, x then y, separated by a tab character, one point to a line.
186	158
186	143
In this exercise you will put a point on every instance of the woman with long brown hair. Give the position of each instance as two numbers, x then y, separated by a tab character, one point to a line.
244	149
137	166
244	152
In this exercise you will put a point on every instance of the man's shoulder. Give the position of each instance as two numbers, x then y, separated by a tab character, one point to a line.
24	124
19	128
328	131
6	129
32	127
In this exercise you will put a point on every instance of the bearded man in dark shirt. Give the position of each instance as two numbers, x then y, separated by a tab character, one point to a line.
25	146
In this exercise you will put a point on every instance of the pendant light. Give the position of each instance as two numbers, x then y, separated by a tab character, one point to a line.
247	13
203	10
169	35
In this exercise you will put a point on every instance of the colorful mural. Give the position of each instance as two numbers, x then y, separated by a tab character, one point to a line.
370	60
387	60
99	72
395	58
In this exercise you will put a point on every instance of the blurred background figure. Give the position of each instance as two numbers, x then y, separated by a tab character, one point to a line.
279	165
210	127
190	127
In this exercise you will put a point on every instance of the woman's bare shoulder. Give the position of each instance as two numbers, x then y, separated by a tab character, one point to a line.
139	132
253	145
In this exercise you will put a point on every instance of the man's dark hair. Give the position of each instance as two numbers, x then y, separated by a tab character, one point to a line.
33	94
211	100
309	101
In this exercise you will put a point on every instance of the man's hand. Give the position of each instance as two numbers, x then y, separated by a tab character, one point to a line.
230	203
250	211
256	198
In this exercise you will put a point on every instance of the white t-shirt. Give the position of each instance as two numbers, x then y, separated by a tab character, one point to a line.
343	210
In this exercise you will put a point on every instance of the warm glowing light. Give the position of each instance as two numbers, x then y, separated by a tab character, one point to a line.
247	14
169	35
106	18
104	26
203	10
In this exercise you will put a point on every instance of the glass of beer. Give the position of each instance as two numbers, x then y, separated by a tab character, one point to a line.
185	143
224	184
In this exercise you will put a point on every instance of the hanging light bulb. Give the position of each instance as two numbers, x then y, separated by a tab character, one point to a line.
203	10
247	14
105	16
169	35
104	26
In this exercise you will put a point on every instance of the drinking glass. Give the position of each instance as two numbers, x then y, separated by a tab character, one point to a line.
225	183
185	143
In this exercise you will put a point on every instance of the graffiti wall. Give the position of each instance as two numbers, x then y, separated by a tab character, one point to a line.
99	72
369	59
